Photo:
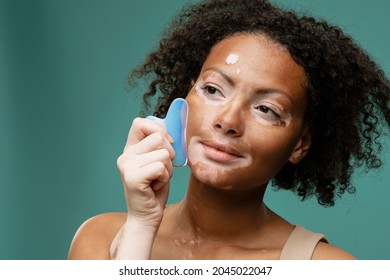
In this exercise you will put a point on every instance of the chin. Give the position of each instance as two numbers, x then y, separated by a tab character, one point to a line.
225	179
210	175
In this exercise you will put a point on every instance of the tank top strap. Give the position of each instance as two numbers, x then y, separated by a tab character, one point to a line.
301	244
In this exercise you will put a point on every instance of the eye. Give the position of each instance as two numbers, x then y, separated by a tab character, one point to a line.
210	89
268	111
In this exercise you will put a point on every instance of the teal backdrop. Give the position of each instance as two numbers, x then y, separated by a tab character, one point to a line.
65	112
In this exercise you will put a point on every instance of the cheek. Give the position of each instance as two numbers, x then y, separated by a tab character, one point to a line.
268	144
270	151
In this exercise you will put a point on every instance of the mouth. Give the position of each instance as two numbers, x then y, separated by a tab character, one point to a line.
220	152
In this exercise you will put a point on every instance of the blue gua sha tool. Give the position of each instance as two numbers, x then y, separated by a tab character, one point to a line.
175	123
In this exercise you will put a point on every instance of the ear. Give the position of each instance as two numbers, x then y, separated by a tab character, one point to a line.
302	147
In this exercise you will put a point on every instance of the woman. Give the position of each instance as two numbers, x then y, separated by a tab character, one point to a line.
272	96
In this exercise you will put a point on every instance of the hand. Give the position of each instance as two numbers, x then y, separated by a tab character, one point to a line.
146	168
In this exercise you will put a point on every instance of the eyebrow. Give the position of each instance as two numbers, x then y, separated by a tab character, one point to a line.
260	91
224	75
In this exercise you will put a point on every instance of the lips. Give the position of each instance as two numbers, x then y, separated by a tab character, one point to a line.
220	152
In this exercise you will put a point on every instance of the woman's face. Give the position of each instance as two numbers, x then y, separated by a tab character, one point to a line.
246	113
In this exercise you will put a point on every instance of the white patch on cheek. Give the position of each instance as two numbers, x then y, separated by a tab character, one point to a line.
194	155
238	71
232	58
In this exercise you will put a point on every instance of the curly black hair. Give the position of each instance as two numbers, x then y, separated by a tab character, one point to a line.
348	93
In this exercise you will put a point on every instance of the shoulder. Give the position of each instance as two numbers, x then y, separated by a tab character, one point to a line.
325	251
93	238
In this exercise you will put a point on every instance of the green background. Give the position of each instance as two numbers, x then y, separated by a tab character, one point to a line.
65	112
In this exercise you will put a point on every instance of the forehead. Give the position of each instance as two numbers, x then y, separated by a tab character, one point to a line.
257	52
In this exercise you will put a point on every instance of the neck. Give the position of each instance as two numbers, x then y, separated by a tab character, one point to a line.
222	214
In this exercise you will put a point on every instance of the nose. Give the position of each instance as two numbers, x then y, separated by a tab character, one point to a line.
230	119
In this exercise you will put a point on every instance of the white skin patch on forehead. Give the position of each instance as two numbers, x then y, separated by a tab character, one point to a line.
232	58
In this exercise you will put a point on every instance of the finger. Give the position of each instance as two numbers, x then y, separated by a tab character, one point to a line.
158	185
142	128
140	161
154	172
152	142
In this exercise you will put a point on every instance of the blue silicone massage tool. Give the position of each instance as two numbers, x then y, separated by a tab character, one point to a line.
175	123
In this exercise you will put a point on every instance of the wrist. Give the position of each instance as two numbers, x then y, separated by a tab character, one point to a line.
134	240
144	221
135	226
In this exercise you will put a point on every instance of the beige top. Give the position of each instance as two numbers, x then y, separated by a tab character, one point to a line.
301	244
